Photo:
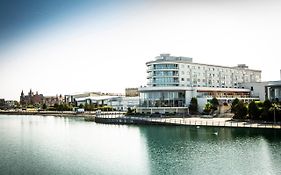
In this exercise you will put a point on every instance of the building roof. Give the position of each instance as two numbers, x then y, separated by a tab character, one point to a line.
187	61
96	98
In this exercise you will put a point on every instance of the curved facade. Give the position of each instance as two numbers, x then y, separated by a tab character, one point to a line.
173	81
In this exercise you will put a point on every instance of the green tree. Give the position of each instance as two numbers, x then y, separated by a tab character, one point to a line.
44	106
215	103
81	106
193	106
234	104
266	113
253	110
207	108
56	107
86	107
240	111
60	107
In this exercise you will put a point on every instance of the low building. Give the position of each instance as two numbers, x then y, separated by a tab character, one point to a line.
11	104
267	90
80	97
95	100
123	103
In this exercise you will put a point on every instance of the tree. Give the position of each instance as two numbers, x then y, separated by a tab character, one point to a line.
215	103
81	105
265	115
207	108
253	110
56	106
44	106
193	106
234	104
86	107
240	110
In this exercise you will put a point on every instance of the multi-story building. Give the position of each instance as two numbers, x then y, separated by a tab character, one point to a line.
173	81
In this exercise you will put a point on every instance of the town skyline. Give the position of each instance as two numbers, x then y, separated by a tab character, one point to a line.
103	46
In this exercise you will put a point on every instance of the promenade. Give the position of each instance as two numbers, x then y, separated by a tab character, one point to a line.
191	121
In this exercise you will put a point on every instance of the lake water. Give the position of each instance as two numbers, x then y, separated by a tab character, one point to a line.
56	145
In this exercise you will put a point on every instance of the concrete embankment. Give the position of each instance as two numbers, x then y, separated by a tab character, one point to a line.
87	115
192	121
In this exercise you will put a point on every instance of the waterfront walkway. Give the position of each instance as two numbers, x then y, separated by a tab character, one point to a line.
193	121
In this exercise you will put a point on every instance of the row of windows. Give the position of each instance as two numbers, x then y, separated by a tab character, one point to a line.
209	81
218	75
208	85
213	68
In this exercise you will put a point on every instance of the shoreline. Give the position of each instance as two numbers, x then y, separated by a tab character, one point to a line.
61	113
114	117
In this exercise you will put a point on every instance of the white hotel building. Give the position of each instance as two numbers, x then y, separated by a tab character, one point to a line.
173	81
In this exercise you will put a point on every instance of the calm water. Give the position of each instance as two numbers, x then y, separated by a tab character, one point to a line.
54	145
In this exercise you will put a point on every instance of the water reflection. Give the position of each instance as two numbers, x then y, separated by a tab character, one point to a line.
53	145
191	150
57	145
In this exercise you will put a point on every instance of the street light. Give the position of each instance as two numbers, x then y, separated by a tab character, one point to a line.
275	106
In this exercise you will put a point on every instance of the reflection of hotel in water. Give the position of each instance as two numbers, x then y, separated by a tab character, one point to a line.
173	81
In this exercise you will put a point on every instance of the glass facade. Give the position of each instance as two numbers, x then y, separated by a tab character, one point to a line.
165	80
162	99
165	66
165	73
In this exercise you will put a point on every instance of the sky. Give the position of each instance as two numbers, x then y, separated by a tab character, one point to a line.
69	46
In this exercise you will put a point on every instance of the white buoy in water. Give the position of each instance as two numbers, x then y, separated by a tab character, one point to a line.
197	127
216	133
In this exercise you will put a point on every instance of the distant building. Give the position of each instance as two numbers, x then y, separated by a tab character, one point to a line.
2	103
31	98
123	103
52	100
10	104
132	92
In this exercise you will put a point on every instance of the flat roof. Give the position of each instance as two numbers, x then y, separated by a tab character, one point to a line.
187	62
205	89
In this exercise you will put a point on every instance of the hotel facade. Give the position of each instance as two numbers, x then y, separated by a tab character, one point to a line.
173	81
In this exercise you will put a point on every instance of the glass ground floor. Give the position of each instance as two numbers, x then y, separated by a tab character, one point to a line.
162	99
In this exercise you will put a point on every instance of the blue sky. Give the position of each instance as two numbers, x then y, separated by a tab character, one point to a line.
21	17
62	47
